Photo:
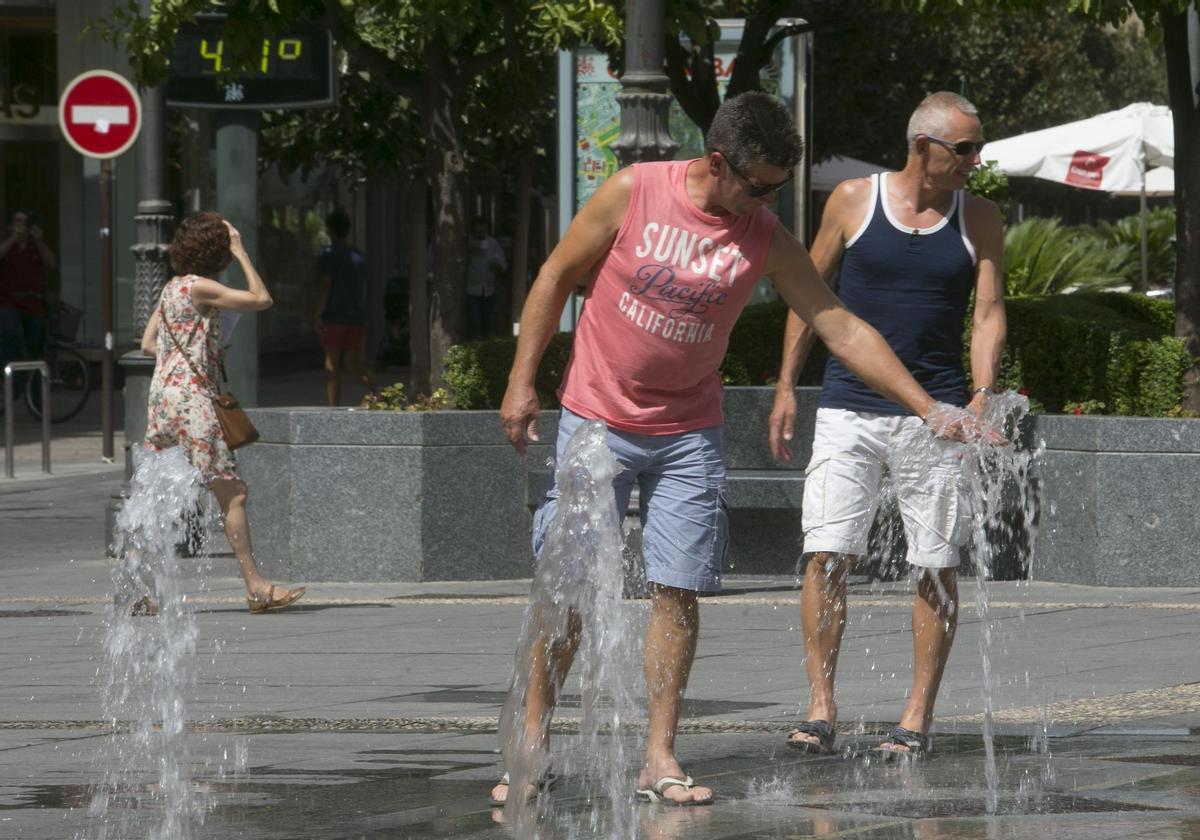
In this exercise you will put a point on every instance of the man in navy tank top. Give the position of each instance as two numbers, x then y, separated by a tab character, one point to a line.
913	246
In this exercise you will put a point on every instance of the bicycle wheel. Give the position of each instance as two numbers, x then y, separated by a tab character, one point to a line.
70	384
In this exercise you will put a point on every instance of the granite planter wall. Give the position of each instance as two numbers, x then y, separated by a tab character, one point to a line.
1119	501
352	495
337	494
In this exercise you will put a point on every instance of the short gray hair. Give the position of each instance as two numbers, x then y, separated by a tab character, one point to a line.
755	127
930	116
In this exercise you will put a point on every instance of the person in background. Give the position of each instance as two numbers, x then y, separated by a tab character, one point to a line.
184	336
485	259
341	314
24	260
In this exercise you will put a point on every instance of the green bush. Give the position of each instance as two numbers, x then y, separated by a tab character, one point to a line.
1090	347
477	372
1097	347
756	347
1160	242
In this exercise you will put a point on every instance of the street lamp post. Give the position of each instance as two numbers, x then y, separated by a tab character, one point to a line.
645	127
154	222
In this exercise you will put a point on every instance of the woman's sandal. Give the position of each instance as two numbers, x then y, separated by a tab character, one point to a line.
545	783
917	744
271	603
822	730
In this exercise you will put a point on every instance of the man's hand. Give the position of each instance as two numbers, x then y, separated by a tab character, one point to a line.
782	423
951	423
518	415
977	404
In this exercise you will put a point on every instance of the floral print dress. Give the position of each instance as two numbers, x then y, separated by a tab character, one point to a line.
180	410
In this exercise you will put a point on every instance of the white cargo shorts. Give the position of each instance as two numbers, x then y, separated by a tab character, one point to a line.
851	451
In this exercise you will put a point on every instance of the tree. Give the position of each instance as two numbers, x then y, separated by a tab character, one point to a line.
431	55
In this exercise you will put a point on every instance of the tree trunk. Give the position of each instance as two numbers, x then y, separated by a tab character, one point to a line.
418	284
1183	100
520	252
444	94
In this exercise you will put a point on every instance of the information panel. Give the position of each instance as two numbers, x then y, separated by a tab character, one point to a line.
293	69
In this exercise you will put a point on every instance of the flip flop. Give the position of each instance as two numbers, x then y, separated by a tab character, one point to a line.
821	729
655	794
271	603
917	744
542	785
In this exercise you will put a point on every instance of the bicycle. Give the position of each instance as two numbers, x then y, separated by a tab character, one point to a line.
70	375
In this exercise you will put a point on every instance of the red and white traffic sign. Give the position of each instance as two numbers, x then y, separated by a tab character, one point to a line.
100	114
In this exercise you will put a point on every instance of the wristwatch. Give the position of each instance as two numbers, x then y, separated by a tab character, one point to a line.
984	390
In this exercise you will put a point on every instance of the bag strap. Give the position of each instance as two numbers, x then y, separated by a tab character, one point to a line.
162	317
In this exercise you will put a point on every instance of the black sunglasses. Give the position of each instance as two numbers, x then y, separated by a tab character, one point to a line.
963	148
752	189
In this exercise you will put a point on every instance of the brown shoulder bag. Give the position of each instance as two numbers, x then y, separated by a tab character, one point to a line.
236	427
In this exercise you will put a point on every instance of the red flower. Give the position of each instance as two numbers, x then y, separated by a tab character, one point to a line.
1024	392
1077	410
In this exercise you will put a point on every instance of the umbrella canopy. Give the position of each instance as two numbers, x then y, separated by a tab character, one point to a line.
1160	182
1107	152
829	173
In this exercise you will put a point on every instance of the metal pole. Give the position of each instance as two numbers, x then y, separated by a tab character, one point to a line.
9	434
1142	226
106	310
645	126
8	421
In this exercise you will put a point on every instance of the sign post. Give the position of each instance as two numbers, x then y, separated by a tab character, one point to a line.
100	115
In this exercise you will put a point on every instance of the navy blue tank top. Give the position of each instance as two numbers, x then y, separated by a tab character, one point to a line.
913	285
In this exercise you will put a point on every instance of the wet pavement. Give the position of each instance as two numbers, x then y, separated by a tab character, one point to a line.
371	710
432	784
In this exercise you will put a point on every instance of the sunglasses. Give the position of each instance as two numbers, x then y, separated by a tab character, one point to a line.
752	189
963	148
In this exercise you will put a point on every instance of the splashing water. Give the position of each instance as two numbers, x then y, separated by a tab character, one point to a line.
576	600
1004	517
147	664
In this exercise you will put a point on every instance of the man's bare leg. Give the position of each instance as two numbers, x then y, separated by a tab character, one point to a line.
549	662
934	622
670	649
823	617
333	377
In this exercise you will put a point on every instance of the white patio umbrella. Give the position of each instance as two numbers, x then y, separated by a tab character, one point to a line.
1113	152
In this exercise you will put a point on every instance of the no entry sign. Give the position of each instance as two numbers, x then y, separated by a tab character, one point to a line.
100	114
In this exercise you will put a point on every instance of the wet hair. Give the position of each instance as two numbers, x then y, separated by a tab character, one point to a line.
931	116
338	224
755	127
201	245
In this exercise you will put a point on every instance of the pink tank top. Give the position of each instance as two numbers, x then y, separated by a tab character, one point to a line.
660	307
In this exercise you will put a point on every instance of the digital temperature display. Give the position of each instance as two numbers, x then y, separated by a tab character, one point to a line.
292	69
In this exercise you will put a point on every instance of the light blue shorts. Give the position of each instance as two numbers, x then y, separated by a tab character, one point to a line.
682	501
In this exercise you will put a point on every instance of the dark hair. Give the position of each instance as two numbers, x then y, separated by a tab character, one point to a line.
201	245
755	127
338	224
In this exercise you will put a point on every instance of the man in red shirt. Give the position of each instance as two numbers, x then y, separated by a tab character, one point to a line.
24	260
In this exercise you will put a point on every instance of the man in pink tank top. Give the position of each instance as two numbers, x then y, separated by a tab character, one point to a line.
671	252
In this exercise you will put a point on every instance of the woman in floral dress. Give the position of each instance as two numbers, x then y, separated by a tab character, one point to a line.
180	410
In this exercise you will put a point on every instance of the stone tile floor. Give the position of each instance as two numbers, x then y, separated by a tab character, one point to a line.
434	784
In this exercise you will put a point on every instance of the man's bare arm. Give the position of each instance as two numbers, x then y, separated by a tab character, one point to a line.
842	211
587	239
989	324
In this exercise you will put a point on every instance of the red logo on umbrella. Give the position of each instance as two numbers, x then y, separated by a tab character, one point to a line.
1086	169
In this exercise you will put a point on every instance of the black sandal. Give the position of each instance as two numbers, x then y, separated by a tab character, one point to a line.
822	730
917	744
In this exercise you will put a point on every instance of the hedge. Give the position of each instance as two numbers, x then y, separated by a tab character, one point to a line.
1105	347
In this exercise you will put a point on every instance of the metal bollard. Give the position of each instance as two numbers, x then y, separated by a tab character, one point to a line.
9	369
